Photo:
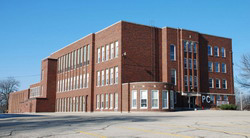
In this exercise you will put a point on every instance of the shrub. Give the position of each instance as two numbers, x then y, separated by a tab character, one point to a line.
228	107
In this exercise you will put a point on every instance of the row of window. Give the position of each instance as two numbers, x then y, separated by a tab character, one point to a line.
190	80
72	83
190	46
36	91
71	104
108	102
108	75
188	63
217	83
216	67
218	98
74	59
217	51
107	52
154	99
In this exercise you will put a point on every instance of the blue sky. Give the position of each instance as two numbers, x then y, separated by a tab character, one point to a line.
31	30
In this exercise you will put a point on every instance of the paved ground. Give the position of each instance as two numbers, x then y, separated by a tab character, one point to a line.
184	124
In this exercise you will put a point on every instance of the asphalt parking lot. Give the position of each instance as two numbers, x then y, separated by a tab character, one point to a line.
185	124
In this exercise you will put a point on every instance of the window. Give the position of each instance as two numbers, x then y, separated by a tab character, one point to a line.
97	101
224	84
80	81
195	81
107	101
74	104
190	81
116	75
134	99
112	51
71	104
103	77
81	55
173	76
116	100
103	54
77	81
98	78
84	80
190	63
223	52
116	49
216	51
155	99
98	55
212	99
185	43
209	50
211	83
195	65
185	63
88	54
107	52
225	98
217	67
185	80
75	59
107	76
72	58
102	101
210	66
165	99
218	83
195	49
87	80
85	55
69	64
190	46
111	76
71	83
223	68
144	98
172	52
111	101
78	56
77	104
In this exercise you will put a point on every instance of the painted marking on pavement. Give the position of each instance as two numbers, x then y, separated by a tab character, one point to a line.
93	134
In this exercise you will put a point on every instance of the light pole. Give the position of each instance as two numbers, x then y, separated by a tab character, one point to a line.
241	101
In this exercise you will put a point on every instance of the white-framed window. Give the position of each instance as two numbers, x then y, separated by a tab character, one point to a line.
74	104
172	52
223	52
102	101
111	101
97	101
116	100
84	80
173	76
164	99
216	51
107	101
134	99
103	79
107	76
107	52
69	65
112	51
103	53
81	55
88	54
81	81
195	47
85	55
154	98
218	83
224	84
77	81
71	83
98	55
223	68
191	81
185	43
77	104
116	49
217	67
195	64
185	80
195	81
225	98
63	86
185	63
210	50
190	63
78	56
98	78
111	76
75	59
87	80
210	66
69	87
116	75
71	104
144	99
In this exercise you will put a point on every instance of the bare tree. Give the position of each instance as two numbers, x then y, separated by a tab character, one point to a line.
244	76
6	87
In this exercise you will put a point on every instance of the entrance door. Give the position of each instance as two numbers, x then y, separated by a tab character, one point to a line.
192	102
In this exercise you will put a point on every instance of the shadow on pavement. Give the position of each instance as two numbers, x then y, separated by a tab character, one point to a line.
17	115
